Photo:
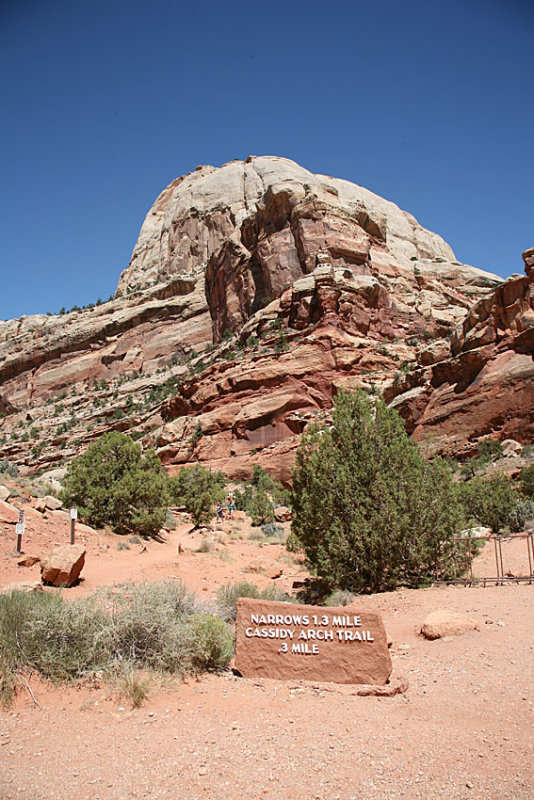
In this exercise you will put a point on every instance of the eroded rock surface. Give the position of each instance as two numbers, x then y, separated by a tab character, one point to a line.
254	292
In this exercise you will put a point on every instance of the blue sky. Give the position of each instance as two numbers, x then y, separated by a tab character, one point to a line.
429	104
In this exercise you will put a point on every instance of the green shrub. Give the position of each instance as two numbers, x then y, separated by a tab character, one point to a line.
521	517
7	468
259	497
229	594
127	628
369	512
198	490
489	502
271	529
339	597
526	479
114	483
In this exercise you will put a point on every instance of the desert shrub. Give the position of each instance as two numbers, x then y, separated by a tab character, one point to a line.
271	529
369	512
489	502
274	594
339	597
114	483
7	468
198	490
526	480
213	646
205	546
133	684
487	451
260	508
170	520
145	627
260	496
522	516
42	632
229	594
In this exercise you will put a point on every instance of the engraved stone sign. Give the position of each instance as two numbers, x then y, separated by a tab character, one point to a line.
288	642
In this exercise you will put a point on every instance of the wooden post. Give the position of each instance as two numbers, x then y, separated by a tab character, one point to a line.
20	531
73	518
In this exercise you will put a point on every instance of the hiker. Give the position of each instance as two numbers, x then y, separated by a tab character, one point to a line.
231	507
219	511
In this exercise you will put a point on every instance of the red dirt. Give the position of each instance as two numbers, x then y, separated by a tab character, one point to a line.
462	730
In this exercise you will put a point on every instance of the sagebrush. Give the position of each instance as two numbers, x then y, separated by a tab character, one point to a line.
149	626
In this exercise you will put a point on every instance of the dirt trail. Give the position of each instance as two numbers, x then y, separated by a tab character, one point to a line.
463	729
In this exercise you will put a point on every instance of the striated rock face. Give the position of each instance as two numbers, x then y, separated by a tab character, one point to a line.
254	292
484	385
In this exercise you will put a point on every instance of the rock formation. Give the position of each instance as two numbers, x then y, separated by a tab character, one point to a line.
484	385
254	292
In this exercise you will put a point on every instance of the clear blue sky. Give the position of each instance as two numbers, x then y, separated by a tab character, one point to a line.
428	103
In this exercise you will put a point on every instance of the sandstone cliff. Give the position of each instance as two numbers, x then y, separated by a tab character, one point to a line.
254	291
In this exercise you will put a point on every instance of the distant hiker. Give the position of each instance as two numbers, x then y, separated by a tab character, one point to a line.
219	510
231	507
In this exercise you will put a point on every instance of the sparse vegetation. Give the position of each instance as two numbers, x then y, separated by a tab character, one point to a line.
229	594
259	497
7	468
156	627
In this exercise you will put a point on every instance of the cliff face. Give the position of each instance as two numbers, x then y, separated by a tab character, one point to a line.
254	292
484	382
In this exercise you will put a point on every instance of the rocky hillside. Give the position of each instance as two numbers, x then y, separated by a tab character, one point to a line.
254	291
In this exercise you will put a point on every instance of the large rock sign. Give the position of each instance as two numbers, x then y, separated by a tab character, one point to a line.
288	642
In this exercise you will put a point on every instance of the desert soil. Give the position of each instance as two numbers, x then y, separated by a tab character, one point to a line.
462	730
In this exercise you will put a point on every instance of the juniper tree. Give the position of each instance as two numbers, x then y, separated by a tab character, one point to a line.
368	510
114	483
198	489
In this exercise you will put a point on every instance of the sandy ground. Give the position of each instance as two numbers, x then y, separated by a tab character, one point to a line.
462	730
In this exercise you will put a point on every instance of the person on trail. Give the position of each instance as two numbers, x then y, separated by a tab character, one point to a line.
219	510
231	507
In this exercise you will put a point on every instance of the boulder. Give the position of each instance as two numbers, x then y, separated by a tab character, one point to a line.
64	565
311	643
477	532
8	513
52	503
22	586
40	505
266	566
283	514
4	492
447	623
511	448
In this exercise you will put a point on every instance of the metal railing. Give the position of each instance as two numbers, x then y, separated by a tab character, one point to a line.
503	575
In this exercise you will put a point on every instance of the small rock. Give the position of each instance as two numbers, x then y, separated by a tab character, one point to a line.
23	586
439	624
283	514
28	561
398	686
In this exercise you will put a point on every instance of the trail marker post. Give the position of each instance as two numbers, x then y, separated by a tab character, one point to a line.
73	518
20	531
